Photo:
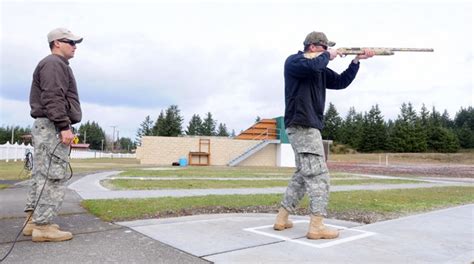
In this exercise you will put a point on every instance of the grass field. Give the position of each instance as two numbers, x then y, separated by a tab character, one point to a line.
126	184
214	171
384	204
3	186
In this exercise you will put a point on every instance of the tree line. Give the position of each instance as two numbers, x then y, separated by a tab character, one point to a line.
170	124
410	132
89	132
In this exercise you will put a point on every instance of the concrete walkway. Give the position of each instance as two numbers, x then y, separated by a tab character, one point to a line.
89	187
94	241
444	236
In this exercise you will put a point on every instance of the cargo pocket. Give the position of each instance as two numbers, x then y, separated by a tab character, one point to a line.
312	164
57	163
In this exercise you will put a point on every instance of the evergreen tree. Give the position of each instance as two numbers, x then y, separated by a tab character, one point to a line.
407	134
145	129
169	124
351	131
222	130
92	134
464	126
332	124
209	125
159	129
18	132
126	144
440	136
435	118
374	131
424	116
174	121
446	121
443	139
194	126
232	134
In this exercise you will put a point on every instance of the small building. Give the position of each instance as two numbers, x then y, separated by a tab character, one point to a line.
263	144
80	147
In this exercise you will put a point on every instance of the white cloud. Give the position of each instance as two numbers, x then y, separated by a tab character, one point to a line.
227	58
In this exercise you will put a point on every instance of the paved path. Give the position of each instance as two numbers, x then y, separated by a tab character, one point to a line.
444	236
89	187
94	241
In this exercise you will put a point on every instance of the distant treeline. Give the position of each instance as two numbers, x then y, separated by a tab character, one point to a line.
364	132
410	132
170	124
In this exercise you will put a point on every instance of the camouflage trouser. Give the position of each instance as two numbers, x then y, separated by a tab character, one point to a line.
311	174
49	166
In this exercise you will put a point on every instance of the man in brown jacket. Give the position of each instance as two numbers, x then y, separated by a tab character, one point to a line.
55	107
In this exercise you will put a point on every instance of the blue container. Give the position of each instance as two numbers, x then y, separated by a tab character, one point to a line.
183	162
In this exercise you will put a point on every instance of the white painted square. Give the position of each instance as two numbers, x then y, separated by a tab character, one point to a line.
314	243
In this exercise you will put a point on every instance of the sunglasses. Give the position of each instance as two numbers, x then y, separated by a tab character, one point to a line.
324	46
68	41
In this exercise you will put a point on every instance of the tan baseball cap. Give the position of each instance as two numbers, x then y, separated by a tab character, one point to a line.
318	38
63	33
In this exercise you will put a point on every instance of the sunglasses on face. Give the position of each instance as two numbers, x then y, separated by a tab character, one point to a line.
68	41
324	46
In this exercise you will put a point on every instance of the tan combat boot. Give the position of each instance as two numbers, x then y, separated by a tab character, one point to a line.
282	221
49	233
317	230
28	230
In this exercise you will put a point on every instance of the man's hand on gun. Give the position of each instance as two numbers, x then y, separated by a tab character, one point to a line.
368	53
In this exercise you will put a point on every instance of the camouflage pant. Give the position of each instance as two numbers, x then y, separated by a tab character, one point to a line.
311	174
49	167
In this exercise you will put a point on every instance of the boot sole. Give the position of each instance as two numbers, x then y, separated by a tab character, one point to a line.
41	239
320	237
281	227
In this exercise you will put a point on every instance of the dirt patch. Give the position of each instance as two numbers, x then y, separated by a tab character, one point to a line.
353	216
431	170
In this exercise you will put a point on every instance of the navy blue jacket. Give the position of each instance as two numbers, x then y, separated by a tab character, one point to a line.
306	81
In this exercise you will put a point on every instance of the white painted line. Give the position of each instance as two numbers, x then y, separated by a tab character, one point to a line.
323	245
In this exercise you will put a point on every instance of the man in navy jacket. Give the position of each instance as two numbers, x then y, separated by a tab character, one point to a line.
306	80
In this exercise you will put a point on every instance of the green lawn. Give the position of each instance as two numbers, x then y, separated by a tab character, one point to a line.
3	186
366	202
214	171
12	170
126	184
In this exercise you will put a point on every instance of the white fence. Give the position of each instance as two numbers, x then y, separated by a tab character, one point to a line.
17	152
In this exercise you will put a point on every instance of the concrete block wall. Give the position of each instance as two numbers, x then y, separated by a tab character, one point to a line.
265	157
166	150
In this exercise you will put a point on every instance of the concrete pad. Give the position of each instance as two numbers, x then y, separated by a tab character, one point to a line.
13	202
76	223
207	235
444	236
111	246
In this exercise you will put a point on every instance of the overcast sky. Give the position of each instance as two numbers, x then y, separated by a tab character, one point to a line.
227	58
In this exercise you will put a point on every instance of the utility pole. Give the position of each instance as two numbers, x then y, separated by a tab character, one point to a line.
118	139
113	138
85	136
13	133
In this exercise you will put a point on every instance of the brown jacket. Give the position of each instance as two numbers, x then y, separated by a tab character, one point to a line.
54	92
